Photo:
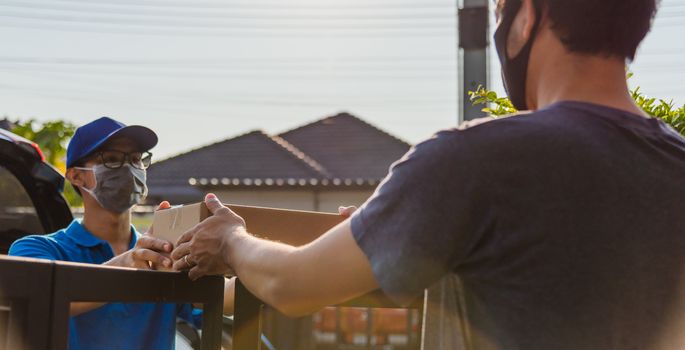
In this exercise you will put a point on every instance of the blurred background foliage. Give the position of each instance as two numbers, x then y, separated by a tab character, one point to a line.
657	108
52	137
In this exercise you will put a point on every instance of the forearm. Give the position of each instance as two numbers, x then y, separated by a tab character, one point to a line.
301	280
262	266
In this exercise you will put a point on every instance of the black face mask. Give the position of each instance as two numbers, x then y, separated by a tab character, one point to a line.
514	70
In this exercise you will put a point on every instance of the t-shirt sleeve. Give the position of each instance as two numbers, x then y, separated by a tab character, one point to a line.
34	247
424	217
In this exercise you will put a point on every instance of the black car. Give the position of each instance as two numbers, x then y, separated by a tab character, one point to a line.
31	200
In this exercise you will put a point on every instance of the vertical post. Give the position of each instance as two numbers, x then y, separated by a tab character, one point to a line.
473	58
411	336
59	332
25	300
212	313
338	328
246	320
369	328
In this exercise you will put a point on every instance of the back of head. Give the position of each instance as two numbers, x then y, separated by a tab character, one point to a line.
613	28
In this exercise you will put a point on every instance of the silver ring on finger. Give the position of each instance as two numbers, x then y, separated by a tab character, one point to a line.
185	258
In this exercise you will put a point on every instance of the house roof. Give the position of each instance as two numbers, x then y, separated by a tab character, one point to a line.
347	146
340	150
248	156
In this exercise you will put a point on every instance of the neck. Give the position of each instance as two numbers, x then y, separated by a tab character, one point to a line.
571	77
111	227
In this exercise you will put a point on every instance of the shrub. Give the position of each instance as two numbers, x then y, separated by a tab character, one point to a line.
657	108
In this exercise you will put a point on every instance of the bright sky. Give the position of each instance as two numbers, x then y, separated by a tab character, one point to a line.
199	71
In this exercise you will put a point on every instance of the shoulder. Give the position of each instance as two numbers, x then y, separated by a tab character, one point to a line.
480	121
522	128
39	246
469	134
518	121
480	140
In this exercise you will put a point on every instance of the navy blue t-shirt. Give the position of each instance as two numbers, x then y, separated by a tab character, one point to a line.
566	227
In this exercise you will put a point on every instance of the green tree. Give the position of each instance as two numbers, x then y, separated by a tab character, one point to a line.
657	108
52	137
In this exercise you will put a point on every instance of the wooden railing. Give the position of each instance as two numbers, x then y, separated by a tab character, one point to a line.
35	297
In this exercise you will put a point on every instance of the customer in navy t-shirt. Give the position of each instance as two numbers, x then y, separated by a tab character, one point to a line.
564	226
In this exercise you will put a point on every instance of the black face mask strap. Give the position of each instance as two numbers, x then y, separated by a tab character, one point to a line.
515	70
528	47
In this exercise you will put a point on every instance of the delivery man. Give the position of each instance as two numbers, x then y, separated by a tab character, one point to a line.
106	164
565	226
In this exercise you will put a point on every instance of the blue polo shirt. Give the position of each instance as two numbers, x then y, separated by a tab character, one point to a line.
114	325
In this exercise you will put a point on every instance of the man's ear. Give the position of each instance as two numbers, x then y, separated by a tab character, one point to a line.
522	28
75	177
529	19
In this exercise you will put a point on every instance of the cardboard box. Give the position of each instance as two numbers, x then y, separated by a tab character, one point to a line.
292	227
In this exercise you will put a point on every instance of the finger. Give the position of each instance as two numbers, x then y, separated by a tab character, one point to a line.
181	265
145	255
346	211
141	264
187	236
181	251
154	243
135	262
195	273
163	205
214	204
218	209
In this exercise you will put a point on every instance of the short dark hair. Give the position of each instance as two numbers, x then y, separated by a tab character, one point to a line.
614	28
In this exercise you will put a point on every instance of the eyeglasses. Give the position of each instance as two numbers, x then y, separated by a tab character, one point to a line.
117	159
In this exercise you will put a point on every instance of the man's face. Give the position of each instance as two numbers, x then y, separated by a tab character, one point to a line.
112	152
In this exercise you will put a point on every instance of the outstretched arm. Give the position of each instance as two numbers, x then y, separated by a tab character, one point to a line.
295	280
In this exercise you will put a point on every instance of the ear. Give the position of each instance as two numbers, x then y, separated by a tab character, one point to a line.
75	176
529	19
522	28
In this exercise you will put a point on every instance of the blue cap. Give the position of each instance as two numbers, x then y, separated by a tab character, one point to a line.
88	138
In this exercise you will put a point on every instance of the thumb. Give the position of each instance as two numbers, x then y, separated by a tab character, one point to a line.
213	203
346	211
163	205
